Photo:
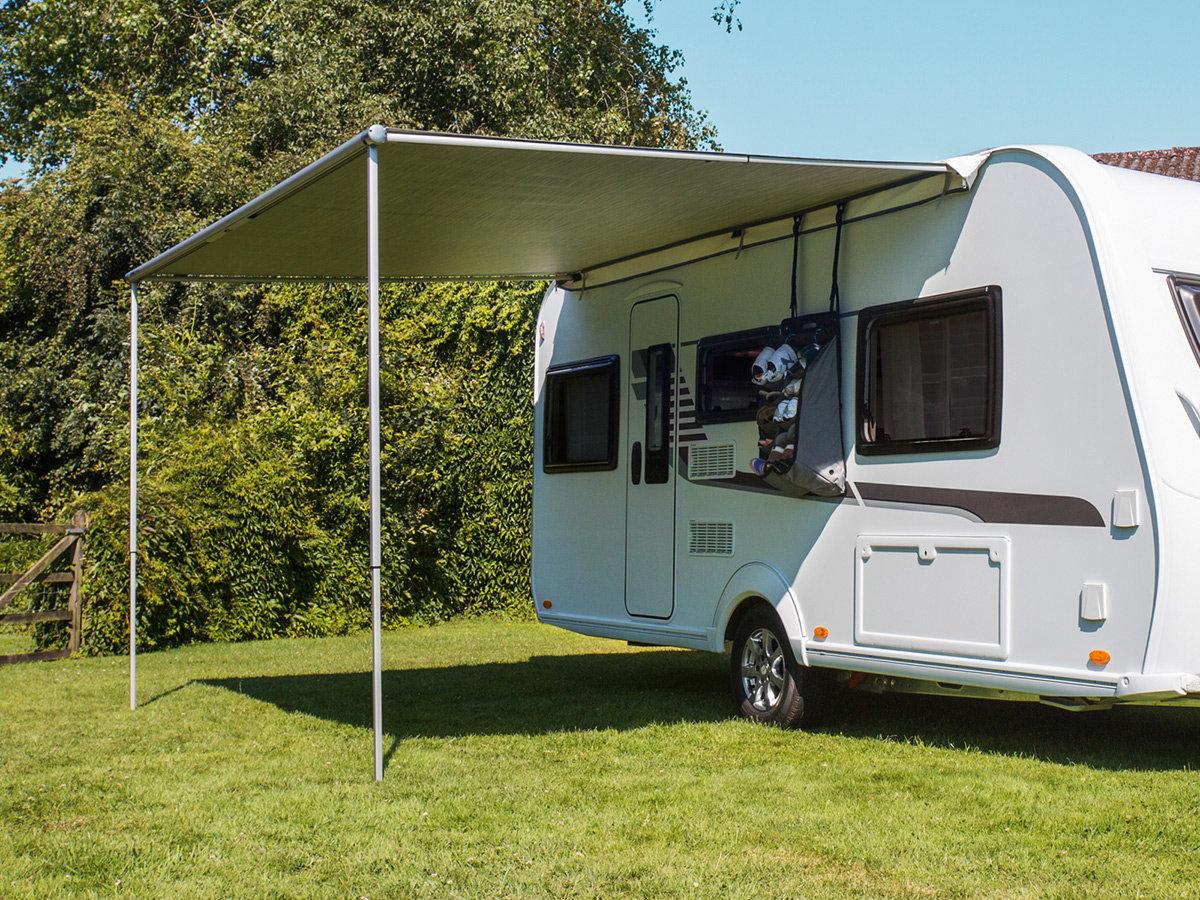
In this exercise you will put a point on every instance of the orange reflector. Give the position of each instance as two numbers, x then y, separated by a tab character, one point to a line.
546	604
820	632
1099	657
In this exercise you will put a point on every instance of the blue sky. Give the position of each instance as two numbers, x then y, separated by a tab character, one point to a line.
928	79
923	80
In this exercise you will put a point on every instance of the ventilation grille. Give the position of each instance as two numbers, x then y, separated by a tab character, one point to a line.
707	461
710	538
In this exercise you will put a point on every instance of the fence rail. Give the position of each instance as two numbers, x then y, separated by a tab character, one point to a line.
73	540
40	528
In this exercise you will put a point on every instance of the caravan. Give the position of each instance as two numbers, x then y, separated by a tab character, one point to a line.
939	436
903	426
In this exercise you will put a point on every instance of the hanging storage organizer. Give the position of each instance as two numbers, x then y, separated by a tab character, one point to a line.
818	466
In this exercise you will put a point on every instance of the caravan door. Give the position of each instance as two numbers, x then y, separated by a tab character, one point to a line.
650	491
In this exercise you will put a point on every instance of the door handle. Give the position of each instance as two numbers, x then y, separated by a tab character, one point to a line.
635	463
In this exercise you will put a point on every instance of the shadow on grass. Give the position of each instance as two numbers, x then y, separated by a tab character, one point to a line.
545	694
630	690
1123	738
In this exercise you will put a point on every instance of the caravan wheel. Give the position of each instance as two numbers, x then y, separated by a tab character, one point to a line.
768	685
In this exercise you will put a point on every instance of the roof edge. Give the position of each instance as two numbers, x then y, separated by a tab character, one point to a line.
406	136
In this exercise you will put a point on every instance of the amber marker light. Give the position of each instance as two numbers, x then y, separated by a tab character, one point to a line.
546	604
1099	657
820	632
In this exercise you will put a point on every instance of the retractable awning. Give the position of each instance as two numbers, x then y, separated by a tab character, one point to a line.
455	206
400	204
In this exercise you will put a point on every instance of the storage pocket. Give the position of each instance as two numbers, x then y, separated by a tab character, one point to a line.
799	414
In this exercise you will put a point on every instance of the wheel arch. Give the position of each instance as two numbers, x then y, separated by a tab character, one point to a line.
759	582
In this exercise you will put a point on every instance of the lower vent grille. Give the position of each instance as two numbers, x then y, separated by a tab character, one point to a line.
710	538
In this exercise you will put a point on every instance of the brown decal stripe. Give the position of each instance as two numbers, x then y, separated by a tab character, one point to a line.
999	507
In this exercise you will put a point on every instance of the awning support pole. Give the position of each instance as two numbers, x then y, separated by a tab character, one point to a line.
373	375
133	490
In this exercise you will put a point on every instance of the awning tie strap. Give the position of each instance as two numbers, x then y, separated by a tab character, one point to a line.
796	223
834	297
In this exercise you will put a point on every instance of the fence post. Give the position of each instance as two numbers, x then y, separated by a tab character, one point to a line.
79	521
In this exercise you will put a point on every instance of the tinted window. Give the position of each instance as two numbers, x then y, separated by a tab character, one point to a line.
660	366
581	416
725	392
1187	301
929	375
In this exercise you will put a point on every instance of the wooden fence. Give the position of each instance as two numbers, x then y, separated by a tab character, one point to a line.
72	540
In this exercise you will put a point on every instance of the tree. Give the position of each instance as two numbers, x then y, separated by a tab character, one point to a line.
725	13
281	74
143	119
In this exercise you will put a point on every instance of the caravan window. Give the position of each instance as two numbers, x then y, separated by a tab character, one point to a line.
724	392
929	374
1187	302
582	403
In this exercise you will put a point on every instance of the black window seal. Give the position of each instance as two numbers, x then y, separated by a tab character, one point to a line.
989	298
587	366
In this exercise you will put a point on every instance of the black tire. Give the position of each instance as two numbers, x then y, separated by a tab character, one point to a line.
768	685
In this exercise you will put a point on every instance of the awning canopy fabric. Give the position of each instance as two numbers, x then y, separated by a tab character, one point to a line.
455	206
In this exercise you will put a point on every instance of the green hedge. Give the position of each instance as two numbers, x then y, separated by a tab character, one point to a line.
257	527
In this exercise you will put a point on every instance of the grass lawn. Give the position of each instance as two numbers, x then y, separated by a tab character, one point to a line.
527	762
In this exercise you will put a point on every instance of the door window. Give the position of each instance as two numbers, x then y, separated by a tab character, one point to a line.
660	366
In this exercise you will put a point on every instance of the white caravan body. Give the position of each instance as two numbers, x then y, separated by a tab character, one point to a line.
1043	551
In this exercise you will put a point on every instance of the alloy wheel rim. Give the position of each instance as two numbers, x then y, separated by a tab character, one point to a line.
764	669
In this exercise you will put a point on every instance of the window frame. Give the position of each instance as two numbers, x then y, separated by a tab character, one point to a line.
556	375
660	400
987	299
765	336
1189	313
